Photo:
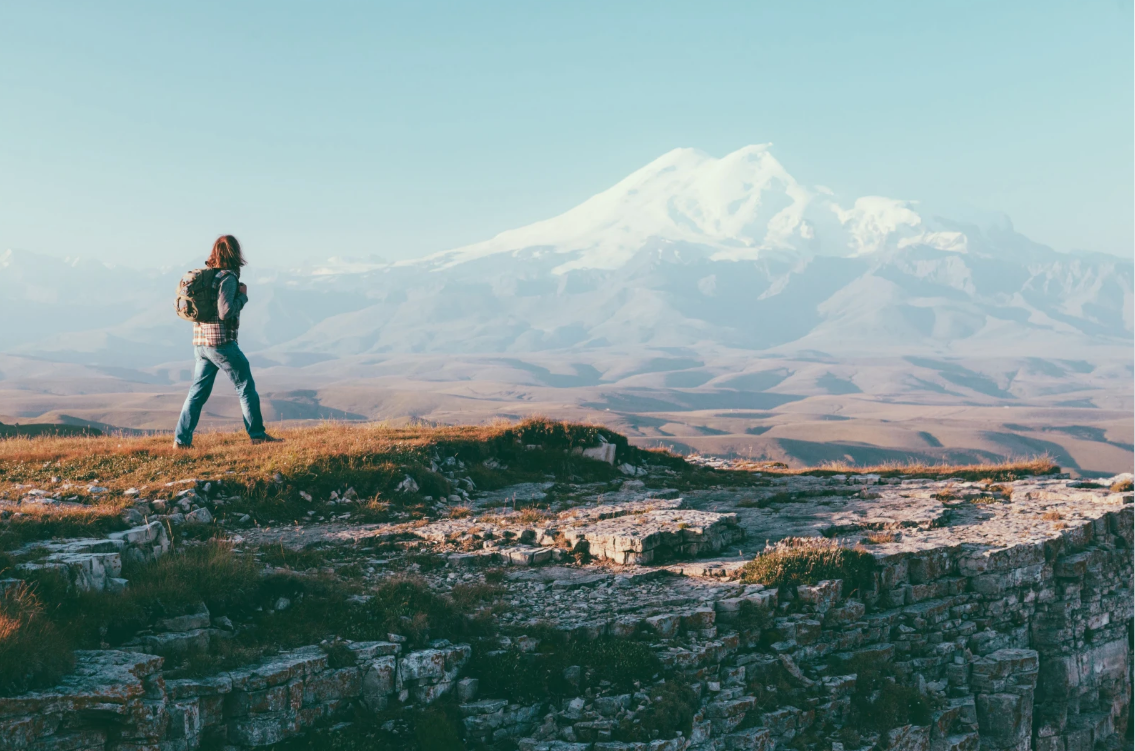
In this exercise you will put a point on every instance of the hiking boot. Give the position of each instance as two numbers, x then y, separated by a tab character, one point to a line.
268	439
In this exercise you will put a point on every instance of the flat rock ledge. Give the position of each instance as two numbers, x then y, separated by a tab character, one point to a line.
94	564
1008	606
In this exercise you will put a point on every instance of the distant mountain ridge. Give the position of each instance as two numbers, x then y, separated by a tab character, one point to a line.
689	251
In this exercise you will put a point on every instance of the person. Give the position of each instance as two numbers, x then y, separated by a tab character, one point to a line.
215	348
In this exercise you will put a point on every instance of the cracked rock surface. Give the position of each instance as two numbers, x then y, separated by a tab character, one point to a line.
1005	608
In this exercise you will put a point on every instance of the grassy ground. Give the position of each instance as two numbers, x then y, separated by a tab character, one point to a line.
310	457
32	430
1007	471
373	460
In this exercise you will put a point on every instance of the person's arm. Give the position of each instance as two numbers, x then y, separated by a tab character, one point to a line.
231	300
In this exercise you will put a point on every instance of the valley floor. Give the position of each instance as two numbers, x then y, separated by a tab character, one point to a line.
796	410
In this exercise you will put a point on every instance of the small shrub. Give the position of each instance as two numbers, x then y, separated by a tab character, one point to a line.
807	560
372	511
33	653
173	585
409	607
212	573
532	515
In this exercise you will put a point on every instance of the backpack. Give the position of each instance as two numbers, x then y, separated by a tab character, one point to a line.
197	296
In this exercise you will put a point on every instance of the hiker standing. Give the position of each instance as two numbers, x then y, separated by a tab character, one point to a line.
212	298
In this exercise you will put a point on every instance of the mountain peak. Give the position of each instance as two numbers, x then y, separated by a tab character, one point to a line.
737	207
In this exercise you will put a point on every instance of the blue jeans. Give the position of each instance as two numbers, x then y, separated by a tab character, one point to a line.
230	359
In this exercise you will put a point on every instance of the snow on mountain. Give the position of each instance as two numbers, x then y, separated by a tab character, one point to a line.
741	205
688	251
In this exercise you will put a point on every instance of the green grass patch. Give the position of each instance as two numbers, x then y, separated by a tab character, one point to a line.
808	560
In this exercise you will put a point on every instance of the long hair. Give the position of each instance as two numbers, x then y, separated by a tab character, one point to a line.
226	254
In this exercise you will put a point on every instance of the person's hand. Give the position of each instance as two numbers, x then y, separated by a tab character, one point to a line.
242	289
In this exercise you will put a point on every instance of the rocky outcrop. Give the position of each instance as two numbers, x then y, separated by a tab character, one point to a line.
95	564
648	531
1018	647
120	700
1005	609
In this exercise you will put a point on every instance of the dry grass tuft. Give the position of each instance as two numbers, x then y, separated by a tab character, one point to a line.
1123	486
41	521
33	654
532	515
997	472
1052	516
808	560
879	538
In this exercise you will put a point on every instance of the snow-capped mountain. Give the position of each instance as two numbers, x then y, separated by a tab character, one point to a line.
688	251
741	207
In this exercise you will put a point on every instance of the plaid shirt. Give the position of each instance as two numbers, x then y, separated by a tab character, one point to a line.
214	334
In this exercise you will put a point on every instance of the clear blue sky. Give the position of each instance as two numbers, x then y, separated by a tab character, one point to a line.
136	132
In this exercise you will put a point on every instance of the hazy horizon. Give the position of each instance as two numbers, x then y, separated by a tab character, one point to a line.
136	135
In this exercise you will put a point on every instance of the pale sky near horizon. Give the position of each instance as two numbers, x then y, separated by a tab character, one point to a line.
136	132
